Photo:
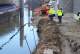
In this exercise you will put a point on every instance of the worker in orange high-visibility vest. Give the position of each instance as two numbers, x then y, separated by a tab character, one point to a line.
44	9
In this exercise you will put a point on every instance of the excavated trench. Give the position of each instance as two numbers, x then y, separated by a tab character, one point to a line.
53	42
50	38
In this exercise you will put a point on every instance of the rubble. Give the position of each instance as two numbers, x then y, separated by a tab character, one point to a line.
49	37
74	44
65	37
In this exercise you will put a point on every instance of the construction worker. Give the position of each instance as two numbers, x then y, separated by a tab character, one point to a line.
44	9
51	13
60	14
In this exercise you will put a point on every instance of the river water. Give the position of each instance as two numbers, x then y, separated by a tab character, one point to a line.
9	28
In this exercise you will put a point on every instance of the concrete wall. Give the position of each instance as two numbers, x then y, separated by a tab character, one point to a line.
76	6
71	5
67	5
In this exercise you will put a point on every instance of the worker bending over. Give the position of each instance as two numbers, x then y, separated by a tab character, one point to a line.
44	9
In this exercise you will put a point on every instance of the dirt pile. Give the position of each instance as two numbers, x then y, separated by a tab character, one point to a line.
49	37
74	44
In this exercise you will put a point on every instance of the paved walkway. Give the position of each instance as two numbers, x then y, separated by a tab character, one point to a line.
70	27
67	49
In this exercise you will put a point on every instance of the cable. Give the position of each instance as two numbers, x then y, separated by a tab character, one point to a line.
12	37
9	40
34	38
28	45
34	41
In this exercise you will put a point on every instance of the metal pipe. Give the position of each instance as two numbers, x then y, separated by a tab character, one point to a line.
21	22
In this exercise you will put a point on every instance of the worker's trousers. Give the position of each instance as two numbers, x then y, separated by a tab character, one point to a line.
60	19
51	17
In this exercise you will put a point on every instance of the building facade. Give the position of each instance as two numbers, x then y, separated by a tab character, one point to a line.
76	6
71	5
67	5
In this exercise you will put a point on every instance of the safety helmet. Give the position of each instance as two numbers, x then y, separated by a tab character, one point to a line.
49	4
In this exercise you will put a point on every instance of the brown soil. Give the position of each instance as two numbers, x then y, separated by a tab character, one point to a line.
49	37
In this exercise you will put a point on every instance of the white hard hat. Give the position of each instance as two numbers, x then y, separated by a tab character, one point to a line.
49	4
